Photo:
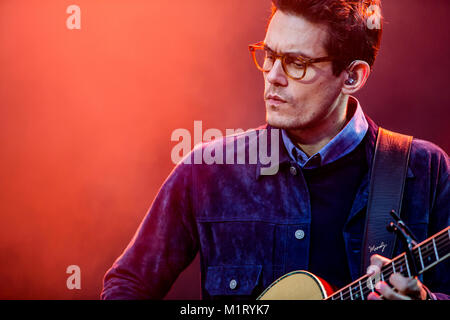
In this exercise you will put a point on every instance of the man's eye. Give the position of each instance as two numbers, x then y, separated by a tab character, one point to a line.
293	62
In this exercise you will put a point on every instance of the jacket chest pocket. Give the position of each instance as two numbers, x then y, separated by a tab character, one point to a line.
236	243
233	280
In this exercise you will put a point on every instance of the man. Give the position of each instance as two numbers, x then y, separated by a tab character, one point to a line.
252	228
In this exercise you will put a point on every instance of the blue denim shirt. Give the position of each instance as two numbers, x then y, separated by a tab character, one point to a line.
244	224
342	144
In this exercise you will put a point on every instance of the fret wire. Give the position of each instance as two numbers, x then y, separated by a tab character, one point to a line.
427	249
418	270
425	253
348	289
440	242
398	261
371	284
388	271
389	274
367	291
361	290
432	252
442	246
401	261
435	250
349	294
407	266
432	264
420	256
424	245
433	261
422	252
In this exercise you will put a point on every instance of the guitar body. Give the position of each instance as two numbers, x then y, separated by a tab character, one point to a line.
297	285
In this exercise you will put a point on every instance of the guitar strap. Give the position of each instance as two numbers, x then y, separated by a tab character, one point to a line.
387	180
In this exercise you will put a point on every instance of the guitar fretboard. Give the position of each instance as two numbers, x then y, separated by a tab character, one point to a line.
425	255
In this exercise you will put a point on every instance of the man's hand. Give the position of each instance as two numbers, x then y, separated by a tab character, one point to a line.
404	288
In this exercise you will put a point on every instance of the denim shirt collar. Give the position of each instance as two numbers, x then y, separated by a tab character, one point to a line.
285	158
342	144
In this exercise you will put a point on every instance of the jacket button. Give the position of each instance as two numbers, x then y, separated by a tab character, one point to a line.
293	170
299	234
233	284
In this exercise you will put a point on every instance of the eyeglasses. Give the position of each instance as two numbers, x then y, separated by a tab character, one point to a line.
294	66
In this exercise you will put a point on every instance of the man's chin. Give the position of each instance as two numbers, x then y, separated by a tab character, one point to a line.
281	122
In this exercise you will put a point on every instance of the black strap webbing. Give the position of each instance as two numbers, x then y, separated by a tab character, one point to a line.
387	180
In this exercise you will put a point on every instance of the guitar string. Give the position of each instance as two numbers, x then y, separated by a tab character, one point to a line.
438	242
432	251
428	249
402	264
428	252
366	290
385	271
398	264
387	274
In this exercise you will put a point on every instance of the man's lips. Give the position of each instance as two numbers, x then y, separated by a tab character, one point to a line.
274	99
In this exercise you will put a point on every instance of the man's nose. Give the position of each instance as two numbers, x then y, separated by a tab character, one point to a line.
276	75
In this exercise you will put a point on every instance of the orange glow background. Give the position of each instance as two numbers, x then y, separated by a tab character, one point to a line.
86	117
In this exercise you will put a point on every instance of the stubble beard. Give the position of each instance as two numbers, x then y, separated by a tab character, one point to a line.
286	121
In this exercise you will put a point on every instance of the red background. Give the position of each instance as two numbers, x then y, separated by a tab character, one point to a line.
86	117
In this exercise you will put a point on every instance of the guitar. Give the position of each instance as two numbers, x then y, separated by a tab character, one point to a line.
303	285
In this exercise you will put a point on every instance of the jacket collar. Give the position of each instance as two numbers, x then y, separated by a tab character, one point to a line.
284	158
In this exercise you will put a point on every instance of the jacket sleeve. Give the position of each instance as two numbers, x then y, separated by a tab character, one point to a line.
165	243
438	278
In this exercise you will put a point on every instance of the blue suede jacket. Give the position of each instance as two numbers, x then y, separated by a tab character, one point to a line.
244	224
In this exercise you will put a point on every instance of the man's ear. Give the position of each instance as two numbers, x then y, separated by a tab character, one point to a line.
355	76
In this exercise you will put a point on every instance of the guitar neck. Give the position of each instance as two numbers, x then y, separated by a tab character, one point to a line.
425	255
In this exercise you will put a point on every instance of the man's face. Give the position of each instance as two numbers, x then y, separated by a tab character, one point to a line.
309	101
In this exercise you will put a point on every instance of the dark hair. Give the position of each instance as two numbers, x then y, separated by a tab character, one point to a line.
350	37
